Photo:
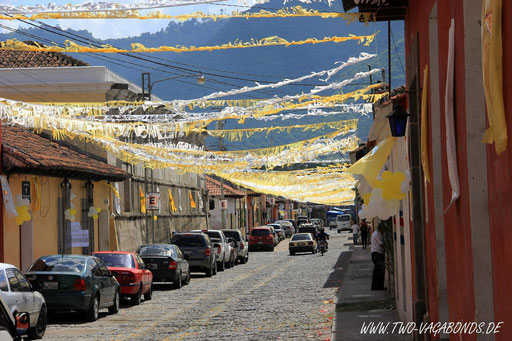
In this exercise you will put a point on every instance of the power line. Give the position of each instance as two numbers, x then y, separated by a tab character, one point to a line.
93	42
88	40
396	51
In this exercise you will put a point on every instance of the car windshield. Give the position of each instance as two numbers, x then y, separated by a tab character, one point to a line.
117	260
305	236
213	234
276	227
59	264
155	250
343	218
260	232
195	239
233	234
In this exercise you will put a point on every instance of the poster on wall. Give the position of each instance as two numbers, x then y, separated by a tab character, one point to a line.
79	237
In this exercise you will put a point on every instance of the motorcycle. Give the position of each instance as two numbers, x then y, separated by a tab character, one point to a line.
321	247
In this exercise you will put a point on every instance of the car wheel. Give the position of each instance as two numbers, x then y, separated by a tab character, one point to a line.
339	231
187	279
179	281
209	271
149	294
93	312
136	298
228	264
114	309
214	268
272	249
38	331
292	253
221	266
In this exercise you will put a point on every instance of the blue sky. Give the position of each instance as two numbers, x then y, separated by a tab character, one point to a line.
116	28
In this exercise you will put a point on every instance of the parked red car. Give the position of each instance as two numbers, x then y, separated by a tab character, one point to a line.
130	272
261	238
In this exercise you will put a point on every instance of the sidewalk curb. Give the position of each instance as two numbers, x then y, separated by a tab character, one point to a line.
335	300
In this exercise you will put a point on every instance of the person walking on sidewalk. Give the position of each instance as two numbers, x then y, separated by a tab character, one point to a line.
378	260
355	232
364	234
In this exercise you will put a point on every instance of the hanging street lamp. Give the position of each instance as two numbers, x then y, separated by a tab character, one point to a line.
398	121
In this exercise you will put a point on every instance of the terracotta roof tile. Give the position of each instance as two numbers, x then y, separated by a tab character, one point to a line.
213	187
34	59
27	152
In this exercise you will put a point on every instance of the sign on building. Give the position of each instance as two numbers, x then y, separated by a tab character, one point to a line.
153	201
25	190
223	205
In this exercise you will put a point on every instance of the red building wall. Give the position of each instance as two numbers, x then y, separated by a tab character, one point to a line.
458	247
500	197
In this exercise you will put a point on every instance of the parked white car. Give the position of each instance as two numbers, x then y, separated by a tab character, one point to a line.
241	245
17	292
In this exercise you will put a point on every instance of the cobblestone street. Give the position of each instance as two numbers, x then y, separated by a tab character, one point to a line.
273	296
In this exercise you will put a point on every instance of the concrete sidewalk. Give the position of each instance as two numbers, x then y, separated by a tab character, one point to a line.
357	305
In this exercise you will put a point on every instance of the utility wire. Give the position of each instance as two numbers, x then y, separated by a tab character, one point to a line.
93	42
396	51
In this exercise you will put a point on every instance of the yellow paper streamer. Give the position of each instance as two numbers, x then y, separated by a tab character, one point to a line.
172	205
192	201
72	47
238	134
492	65
142	201
290	12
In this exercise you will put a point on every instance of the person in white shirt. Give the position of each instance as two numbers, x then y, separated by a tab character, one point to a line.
355	232
378	260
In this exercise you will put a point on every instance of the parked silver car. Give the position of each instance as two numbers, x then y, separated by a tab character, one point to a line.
242	246
17	292
287	226
224	252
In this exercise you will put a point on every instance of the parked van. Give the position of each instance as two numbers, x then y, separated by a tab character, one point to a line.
344	222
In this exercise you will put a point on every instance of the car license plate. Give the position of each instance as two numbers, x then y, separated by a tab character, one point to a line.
152	266
50	285
187	252
301	244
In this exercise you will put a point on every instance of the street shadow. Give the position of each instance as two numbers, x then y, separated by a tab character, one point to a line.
71	318
339	270
162	286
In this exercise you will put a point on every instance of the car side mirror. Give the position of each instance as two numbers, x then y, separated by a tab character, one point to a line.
22	323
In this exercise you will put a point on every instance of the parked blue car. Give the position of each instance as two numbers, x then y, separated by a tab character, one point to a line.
75	283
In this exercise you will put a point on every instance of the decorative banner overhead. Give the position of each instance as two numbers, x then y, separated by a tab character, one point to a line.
329	73
238	134
72	47
97	6
201	161
290	12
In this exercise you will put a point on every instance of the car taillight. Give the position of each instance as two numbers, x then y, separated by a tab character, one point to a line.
219	248
242	245
270	237
79	285
172	265
207	251
126	277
